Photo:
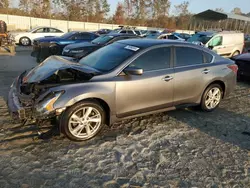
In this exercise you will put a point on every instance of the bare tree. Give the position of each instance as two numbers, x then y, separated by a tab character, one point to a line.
4	3
119	16
25	5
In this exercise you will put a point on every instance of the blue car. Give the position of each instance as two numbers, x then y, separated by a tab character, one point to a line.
47	46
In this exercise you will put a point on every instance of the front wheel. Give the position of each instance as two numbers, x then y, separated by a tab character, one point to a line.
83	121
211	98
236	53
25	41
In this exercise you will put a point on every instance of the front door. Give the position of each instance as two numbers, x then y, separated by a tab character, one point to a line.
153	90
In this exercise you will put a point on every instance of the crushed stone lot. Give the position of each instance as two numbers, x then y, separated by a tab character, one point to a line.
182	148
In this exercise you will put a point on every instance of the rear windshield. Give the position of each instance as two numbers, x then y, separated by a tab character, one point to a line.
109	57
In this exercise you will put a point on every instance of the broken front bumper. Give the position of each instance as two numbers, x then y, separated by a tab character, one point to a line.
16	110
23	108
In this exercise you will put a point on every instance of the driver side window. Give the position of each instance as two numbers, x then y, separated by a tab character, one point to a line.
155	59
217	41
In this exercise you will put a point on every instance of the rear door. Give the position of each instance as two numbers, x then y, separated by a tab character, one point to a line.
55	32
40	32
152	90
191	74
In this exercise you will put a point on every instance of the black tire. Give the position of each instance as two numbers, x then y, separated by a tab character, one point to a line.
54	49
65	117
204	97
23	43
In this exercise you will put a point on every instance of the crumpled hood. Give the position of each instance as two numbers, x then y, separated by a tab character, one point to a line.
51	66
80	45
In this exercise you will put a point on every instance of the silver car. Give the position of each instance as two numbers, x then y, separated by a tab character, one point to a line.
126	79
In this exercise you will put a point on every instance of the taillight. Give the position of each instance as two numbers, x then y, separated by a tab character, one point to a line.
234	68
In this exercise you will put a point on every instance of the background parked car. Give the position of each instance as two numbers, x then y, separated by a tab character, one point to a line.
151	33
26	38
227	44
47	46
243	62
171	36
122	80
82	49
247	44
102	31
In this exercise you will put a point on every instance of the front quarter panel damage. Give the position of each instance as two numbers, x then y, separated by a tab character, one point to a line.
77	92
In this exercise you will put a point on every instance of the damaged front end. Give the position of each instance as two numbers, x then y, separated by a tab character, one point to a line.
31	96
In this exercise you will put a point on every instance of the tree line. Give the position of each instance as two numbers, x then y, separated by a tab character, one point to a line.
151	13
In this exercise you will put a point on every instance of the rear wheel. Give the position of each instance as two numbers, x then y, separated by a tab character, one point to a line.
211	98
83	121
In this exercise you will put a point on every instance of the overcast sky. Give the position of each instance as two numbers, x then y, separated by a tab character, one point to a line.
197	6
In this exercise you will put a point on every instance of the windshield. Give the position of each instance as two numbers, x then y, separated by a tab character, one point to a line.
109	57
102	39
67	35
115	31
199	38
137	32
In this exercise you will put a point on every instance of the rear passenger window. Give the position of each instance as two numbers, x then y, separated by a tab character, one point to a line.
186	56
154	59
207	57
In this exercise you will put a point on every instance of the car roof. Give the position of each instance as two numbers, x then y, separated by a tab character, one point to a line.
146	43
208	33
120	34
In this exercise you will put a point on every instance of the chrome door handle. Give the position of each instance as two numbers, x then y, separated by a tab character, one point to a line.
206	71
167	78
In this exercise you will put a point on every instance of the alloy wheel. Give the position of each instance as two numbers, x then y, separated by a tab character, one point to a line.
85	122
213	98
25	41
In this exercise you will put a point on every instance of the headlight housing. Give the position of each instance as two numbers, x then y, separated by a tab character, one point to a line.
47	104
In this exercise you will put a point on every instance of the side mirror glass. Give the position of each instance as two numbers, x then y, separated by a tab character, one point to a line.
133	71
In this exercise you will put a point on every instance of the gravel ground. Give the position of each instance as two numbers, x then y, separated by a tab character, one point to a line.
183	148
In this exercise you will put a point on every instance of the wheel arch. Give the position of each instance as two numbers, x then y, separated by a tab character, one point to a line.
102	102
219	82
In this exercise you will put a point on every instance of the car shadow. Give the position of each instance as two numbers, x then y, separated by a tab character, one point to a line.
229	123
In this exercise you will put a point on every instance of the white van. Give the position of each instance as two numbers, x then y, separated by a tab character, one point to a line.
226	43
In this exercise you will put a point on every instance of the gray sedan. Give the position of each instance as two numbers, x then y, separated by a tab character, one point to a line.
126	79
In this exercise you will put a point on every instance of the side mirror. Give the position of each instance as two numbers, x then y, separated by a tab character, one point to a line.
210	47
133	71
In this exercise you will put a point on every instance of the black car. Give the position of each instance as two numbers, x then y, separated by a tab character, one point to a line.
247	44
82	49
243	62
47	46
